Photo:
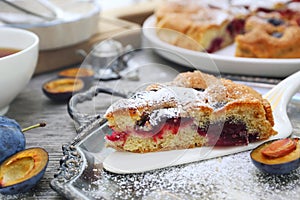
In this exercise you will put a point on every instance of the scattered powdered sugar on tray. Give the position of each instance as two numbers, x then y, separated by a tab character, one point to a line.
230	177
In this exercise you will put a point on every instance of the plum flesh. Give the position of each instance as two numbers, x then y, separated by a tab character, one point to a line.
22	171
283	164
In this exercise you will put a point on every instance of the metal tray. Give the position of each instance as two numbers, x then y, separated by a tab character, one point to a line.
81	174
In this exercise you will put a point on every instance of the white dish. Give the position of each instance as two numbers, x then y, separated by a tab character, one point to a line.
16	69
223	60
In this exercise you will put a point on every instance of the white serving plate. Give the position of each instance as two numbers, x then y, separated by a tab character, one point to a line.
224	59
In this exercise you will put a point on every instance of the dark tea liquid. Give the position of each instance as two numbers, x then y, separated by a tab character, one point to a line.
7	51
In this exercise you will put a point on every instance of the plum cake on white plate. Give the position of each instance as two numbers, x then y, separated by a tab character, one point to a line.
261	29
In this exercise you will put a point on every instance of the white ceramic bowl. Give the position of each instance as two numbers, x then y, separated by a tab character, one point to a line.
16	69
76	21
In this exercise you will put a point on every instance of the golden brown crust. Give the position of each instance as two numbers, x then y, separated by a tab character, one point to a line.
263	43
175	8
195	79
268	110
256	22
269	35
192	26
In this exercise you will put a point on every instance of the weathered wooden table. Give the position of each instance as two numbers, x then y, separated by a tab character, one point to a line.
31	107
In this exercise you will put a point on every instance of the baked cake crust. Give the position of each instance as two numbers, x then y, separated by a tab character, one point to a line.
194	110
269	36
194	26
197	26
204	26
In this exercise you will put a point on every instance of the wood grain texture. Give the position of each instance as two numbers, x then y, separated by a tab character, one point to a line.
31	107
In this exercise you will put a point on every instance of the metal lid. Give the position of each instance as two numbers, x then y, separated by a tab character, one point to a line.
107	48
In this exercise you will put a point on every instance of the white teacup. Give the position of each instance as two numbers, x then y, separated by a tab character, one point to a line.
17	68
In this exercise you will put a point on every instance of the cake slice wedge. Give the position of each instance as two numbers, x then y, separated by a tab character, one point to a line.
194	110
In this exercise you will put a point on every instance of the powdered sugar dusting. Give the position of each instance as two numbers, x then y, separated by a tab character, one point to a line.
230	177
160	115
171	96
210	16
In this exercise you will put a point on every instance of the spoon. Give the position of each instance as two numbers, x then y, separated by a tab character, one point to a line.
33	13
279	97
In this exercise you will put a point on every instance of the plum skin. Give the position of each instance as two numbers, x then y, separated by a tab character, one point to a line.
23	186
62	89
85	74
9	122
276	168
12	139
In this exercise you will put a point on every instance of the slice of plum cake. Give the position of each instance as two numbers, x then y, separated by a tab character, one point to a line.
194	110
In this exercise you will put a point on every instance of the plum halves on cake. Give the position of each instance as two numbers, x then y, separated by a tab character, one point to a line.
194	110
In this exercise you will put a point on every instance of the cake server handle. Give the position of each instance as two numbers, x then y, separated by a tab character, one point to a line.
83	119
279	97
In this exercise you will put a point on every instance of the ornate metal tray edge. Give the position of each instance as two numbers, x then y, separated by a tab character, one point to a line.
73	164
